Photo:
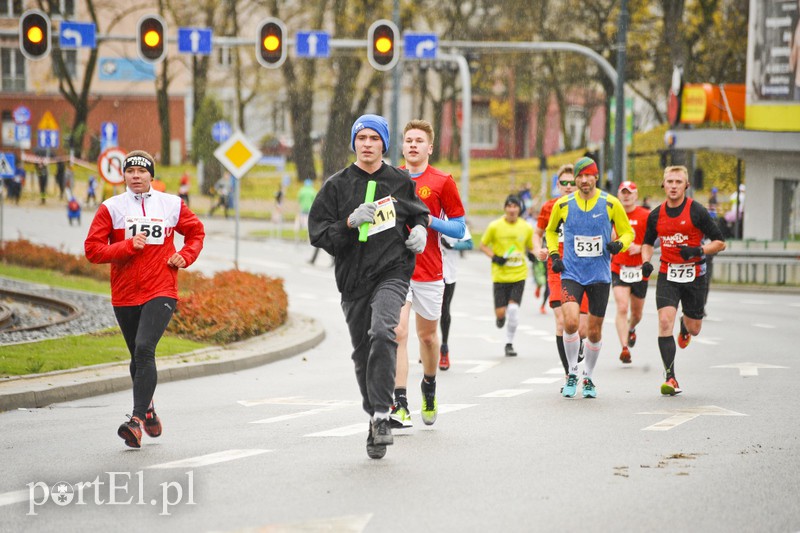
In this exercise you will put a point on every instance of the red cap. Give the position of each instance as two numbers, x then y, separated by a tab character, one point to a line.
631	186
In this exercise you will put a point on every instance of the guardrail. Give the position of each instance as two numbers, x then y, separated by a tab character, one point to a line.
770	267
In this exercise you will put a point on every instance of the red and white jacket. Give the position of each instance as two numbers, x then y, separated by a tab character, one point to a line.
138	276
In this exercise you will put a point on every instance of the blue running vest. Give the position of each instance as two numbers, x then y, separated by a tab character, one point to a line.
593	230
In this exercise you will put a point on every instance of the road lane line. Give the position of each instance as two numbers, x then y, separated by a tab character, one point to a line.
210	459
16	496
541	381
681	416
361	427
504	393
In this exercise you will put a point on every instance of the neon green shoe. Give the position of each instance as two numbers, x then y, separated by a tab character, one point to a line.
429	406
400	418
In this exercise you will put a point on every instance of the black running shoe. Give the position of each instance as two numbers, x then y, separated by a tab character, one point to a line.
500	322
382	432
374	451
510	352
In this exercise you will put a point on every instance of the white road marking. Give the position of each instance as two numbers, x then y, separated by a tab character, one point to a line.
558	370
478	366
504	393
348	524
679	416
542	381
748	369
210	459
301	414
361	427
7	498
708	341
765	326
754	302
295	400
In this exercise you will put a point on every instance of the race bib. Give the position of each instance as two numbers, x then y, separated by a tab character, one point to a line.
514	260
586	246
385	216
681	272
630	274
152	227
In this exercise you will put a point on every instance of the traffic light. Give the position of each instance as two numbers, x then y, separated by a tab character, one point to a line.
382	45
270	48
151	38
34	34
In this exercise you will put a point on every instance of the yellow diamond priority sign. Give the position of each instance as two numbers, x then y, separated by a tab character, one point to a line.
237	154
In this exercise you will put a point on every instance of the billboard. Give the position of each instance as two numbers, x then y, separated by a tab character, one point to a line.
773	66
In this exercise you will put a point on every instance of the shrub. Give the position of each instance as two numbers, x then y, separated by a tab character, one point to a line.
231	306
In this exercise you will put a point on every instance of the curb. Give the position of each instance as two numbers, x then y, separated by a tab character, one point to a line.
299	334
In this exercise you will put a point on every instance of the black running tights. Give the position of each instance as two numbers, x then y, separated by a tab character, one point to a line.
449	289
142	327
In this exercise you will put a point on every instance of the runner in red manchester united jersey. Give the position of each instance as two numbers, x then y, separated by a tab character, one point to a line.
439	193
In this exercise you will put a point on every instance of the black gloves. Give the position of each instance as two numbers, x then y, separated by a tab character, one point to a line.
558	264
531	257
647	269
688	252
614	247
499	260
446	244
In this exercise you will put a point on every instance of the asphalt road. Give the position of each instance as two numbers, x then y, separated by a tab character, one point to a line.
281	447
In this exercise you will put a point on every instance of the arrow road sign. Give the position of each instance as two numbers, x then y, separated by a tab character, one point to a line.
21	114
48	138
748	369
679	416
420	45
312	44
194	41
221	131
77	35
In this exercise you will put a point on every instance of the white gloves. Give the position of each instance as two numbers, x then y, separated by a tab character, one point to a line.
417	239
363	213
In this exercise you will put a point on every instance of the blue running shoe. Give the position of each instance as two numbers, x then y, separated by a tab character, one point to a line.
571	387
588	389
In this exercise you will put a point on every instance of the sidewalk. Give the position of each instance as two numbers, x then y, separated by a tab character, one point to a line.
298	334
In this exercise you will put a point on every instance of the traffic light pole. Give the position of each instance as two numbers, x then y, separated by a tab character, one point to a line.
466	120
619	127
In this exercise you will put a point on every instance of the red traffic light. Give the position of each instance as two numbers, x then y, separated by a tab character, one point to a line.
270	47
382	45
151	38
34	34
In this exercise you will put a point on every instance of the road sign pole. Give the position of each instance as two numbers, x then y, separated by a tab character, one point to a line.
236	246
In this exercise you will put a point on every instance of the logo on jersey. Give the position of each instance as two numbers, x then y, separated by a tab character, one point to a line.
424	192
674	240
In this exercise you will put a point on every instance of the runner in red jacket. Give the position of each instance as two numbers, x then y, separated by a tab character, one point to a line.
134	231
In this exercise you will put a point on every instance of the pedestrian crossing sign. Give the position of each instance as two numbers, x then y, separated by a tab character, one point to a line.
7	165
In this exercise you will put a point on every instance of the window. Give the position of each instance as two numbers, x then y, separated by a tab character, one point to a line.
224	57
484	128
13	70
11	8
63	8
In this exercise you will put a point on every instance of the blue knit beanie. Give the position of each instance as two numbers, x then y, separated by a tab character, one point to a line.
373	122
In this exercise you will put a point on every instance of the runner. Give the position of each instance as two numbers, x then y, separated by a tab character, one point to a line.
134	231
587	215
507	242
439	193
629	286
680	223
566	185
372	275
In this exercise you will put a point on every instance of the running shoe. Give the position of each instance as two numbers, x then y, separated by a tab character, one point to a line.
670	387
382	432
510	352
542	310
131	432
374	451
580	352
429	406
400	417
444	357
500	322
152	424
538	291
625	356
589	390
684	338
631	337
571	387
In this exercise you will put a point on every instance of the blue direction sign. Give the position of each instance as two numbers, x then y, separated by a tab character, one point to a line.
221	131
194	41
420	45
48	138
77	35
7	165
22	115
22	132
312	44
108	135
